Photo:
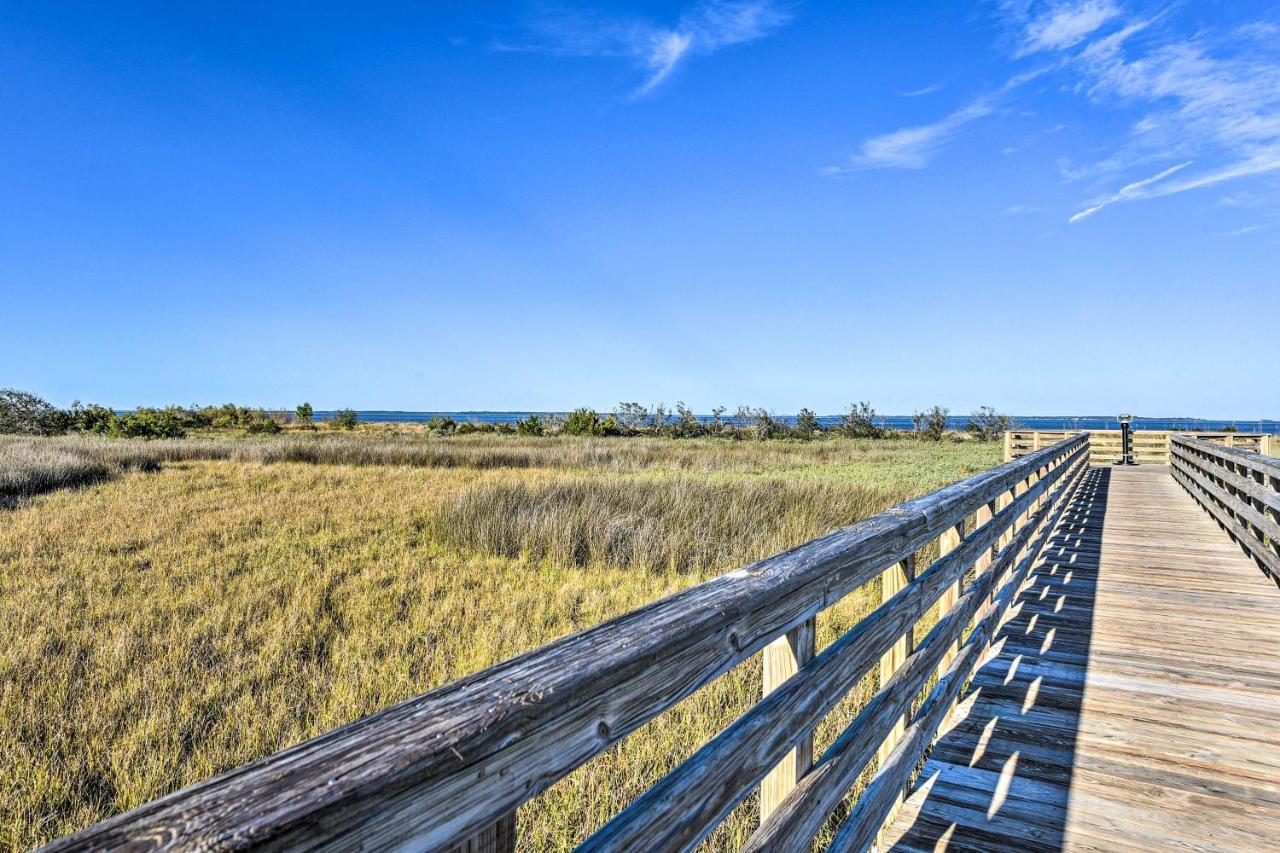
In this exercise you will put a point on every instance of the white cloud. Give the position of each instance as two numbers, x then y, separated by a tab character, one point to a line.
924	90
1063	25
911	147
702	29
1129	192
668	49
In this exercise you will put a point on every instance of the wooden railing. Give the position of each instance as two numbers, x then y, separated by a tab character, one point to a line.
448	769
1241	490
1150	447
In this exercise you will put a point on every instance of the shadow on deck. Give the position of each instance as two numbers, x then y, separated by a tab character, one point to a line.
999	777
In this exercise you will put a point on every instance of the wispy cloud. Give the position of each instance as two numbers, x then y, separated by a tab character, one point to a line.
1057	26
1129	192
924	90
911	147
657	49
1240	232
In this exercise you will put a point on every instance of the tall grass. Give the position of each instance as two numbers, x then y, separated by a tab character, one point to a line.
29	469
165	626
679	523
484	452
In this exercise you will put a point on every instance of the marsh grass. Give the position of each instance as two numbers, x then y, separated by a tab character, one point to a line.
167	625
681	524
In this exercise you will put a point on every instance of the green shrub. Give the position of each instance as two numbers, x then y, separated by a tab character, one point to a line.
807	425
987	425
442	425
151	423
92	418
933	423
859	422
23	413
531	425
344	419
686	424
304	413
262	424
583	421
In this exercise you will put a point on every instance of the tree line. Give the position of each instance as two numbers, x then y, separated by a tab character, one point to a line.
22	412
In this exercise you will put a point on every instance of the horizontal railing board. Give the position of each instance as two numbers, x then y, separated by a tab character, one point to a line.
799	818
443	766
1199	466
687	804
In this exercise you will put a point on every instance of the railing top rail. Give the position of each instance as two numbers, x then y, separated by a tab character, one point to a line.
449	762
1250	459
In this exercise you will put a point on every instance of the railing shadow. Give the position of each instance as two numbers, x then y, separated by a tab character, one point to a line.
999	778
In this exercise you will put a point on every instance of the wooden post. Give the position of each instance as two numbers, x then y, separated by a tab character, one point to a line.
985	559
783	659
1264	445
1035	440
891	582
498	838
948	542
1008	445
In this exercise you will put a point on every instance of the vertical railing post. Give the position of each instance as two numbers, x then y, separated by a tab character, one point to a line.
892	581
948	542
783	658
497	838
1008	445
1264	445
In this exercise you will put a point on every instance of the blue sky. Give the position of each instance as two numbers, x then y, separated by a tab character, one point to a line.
1049	207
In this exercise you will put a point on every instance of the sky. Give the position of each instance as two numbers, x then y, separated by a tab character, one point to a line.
1065	207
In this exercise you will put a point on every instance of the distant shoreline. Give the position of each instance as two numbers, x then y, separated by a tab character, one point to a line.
900	422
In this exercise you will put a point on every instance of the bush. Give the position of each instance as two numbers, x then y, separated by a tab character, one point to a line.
305	413
531	425
151	423
859	422
344	419
987	425
23	413
583	421
686	424
442	425
933	423
92	418
807	425
262	424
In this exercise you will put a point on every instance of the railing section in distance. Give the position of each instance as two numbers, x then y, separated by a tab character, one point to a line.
1150	447
448	769
1241	490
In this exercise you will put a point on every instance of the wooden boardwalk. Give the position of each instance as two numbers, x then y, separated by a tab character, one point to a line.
1130	702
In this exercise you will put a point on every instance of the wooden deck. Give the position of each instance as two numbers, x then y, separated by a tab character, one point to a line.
1130	702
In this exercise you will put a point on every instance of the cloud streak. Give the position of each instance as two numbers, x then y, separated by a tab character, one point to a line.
1129	192
657	50
912	147
1064	25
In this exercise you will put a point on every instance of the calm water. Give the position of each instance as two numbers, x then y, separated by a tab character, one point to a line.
891	421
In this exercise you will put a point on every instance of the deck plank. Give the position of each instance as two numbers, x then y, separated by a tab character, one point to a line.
1132	702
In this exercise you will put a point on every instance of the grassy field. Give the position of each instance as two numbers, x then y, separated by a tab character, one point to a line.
197	604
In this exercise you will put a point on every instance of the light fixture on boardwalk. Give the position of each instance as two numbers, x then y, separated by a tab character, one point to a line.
1126	449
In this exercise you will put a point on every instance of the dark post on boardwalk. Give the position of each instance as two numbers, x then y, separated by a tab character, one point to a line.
718	425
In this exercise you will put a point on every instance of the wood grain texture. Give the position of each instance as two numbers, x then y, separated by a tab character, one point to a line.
782	659
1131	705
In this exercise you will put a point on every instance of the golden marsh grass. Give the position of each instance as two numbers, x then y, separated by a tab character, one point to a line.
162	627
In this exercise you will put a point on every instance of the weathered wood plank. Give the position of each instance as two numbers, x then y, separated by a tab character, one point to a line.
1132	705
783	658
